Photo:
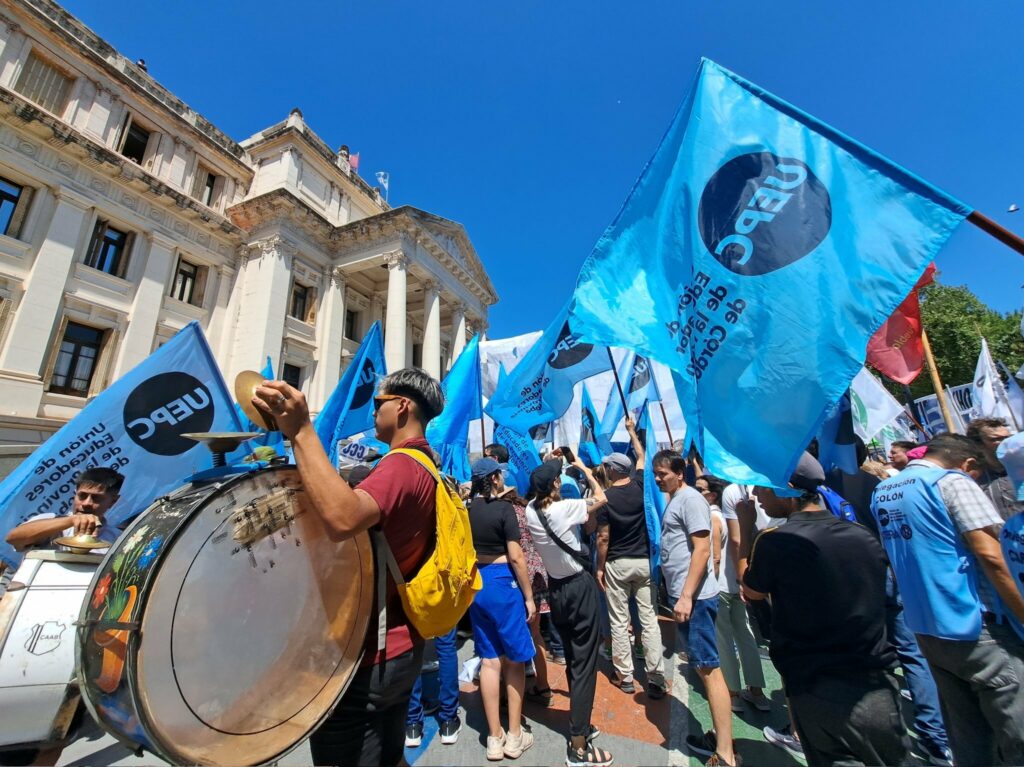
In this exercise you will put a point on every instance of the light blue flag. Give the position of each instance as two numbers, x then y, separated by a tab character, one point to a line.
654	499
540	388
613	412
448	434
541	434
756	255
589	451
349	409
272	439
641	386
135	426
523	457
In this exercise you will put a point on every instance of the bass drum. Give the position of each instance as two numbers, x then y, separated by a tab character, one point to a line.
224	624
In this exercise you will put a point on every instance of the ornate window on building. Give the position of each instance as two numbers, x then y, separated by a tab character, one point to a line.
14	202
206	187
109	249
189	282
76	360
292	375
134	140
44	84
302	305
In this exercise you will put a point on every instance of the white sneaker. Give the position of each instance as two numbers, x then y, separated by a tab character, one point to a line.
496	747
515	745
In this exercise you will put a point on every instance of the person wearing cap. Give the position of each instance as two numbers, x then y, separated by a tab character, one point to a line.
501	611
826	581
942	534
575	604
624	570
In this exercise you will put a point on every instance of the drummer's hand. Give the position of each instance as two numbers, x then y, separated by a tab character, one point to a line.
285	404
86	524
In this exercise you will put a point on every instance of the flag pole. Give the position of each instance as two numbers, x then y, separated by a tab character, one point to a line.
618	383
940	395
664	417
1001	233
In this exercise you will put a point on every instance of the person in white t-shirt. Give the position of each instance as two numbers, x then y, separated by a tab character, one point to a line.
96	490
736	644
575	604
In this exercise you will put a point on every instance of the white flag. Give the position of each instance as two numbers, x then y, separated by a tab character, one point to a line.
988	392
1015	397
873	406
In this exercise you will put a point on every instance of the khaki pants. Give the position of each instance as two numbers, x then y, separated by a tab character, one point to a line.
626	578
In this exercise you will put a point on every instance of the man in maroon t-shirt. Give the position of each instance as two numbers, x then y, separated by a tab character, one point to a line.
368	725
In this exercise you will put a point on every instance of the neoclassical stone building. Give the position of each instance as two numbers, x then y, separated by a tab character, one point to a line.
125	215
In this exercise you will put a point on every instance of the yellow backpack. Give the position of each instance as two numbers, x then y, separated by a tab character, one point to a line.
439	594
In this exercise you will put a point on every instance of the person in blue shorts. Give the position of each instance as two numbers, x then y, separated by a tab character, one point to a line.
501	611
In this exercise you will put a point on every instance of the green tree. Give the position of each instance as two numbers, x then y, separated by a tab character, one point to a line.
955	320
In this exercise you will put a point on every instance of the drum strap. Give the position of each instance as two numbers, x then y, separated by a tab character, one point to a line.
387	558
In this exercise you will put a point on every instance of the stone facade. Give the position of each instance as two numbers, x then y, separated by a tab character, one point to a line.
125	215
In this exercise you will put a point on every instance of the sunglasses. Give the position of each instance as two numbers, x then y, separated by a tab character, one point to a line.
380	399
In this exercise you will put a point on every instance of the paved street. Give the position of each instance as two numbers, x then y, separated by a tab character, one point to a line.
636	730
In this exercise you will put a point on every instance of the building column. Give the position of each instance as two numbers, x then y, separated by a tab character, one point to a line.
396	322
149	297
330	334
225	307
28	341
458	330
263	306
431	329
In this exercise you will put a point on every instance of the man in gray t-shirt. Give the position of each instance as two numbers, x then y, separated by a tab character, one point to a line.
693	589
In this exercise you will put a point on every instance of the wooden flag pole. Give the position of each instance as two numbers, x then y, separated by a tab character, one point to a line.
940	392
618	383
1001	233
671	442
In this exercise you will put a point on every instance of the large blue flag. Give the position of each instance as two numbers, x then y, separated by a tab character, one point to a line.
135	426
757	253
589	451
448	434
654	499
272	439
523	457
349	409
540	388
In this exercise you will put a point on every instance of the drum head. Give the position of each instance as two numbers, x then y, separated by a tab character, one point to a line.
253	626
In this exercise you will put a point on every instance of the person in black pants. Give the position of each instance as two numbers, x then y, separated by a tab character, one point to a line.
553	523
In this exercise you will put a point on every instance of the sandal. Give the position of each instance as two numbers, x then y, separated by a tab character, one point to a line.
540	695
591	756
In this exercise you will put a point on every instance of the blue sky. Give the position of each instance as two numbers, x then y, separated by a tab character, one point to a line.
528	122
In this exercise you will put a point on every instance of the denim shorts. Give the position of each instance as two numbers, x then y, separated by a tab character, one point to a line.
498	615
699	636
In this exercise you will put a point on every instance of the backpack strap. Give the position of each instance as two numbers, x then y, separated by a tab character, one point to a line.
386	562
577	556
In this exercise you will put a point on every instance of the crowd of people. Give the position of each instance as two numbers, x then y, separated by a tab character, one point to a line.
845	578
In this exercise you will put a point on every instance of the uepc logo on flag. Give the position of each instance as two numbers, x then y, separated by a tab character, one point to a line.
759	213
163	408
568	349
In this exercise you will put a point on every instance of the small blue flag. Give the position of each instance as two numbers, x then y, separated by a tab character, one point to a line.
448	434
837	441
272	439
589	451
523	457
540	388
135	426
654	499
757	253
349	409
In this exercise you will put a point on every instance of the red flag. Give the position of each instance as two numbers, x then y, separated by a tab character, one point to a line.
895	349
353	161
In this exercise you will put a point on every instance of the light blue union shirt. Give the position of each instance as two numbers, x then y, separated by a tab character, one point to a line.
687	513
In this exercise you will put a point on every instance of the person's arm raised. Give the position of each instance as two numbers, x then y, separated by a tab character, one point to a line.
596	501
344	511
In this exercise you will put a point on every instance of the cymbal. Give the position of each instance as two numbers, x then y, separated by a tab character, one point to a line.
222	441
82	542
246	383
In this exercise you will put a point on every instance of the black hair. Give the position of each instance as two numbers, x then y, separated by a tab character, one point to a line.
483	485
101	476
903	444
975	427
953	448
715	485
420	387
497	451
676	462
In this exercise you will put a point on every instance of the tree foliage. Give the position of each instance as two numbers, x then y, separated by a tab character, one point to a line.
955	320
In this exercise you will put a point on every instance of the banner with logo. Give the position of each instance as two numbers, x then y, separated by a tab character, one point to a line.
589	451
136	426
540	389
523	457
757	253
448	434
349	409
990	400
